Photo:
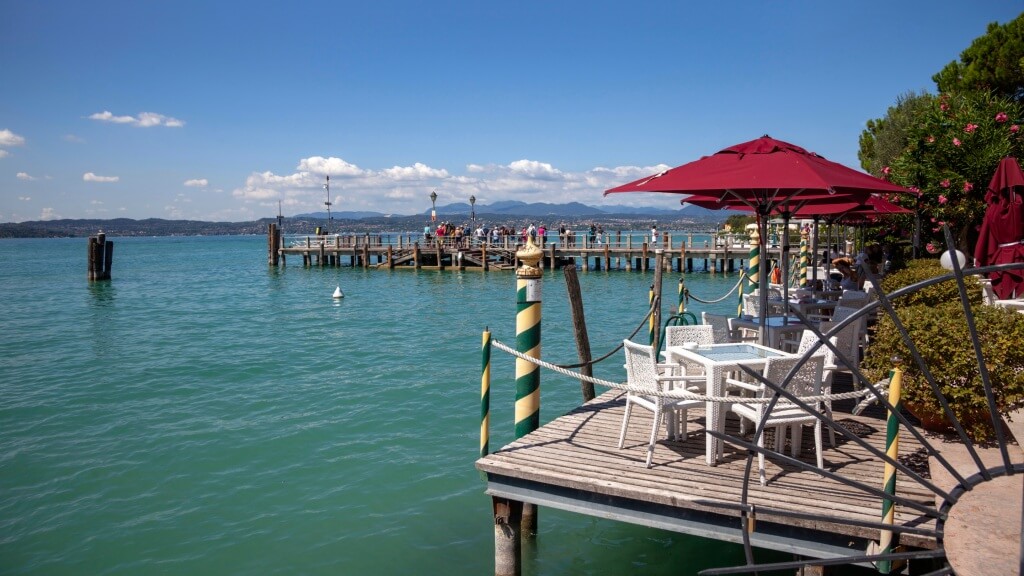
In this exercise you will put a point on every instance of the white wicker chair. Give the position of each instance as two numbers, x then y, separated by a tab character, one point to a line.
785	414
720	328
807	341
644	373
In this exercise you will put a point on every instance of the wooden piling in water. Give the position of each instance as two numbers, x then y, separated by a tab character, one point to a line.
100	257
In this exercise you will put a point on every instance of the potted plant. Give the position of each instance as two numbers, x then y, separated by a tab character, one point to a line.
934	318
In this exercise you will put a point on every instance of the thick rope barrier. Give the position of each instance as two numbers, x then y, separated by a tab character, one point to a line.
727	294
679	394
654	306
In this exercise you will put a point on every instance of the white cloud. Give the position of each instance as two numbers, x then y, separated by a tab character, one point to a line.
406	189
415	172
197	183
329	166
144	119
25	198
90	177
3	153
25	176
48	214
74	139
96	202
8	138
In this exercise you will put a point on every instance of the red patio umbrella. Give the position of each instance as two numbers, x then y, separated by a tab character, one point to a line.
1001	240
763	175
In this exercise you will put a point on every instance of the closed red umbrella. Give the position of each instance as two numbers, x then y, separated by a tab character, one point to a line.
1001	240
764	175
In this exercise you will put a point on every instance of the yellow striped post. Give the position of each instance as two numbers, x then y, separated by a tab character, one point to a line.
485	394
739	291
754	260
804	256
652	322
528	323
892	450
682	297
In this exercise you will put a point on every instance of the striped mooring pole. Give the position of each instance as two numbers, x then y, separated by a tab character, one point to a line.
485	394
754	261
528	317
892	450
682	297
739	292
652	322
804	242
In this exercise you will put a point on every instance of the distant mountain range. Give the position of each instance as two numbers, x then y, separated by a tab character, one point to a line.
542	210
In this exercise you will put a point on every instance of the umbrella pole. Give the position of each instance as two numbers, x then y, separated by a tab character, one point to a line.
814	254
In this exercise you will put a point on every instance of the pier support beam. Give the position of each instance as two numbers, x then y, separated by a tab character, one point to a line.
100	257
508	537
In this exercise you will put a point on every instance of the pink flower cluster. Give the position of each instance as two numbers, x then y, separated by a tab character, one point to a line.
1014	128
942	199
1001	117
968	186
886	170
956	141
970	128
944	183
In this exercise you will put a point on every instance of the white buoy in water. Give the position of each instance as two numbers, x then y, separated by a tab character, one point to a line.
338	293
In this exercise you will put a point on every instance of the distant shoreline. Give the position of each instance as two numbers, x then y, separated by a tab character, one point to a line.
126	227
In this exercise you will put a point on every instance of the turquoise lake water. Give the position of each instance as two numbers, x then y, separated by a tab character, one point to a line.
204	414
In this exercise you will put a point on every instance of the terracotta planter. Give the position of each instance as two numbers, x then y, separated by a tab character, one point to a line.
932	420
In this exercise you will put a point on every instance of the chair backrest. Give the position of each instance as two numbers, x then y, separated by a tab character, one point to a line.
702	334
847	341
853	299
807	341
806	381
752	304
719	327
641	365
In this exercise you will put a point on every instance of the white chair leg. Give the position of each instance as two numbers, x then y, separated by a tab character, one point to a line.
817	444
796	445
658	415
625	422
831	430
681	429
760	459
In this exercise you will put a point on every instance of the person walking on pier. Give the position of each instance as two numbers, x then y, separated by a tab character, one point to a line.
654	235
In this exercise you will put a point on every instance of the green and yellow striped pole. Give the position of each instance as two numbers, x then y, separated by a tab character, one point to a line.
892	450
528	298
739	291
803	257
682	297
485	394
652	322
754	260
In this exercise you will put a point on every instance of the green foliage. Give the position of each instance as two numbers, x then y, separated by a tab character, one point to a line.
993	62
934	295
885	138
738	222
952	151
936	323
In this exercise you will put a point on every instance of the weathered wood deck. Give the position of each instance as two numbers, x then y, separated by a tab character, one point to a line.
573	463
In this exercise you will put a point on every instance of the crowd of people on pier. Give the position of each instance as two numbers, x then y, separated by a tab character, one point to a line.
466	235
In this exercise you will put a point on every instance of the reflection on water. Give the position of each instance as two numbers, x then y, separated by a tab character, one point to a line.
102	293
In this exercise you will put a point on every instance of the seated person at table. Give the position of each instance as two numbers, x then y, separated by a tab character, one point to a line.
845	267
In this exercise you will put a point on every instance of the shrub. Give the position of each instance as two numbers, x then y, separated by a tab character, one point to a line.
935	321
937	294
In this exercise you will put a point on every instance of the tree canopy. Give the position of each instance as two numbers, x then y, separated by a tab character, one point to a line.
993	62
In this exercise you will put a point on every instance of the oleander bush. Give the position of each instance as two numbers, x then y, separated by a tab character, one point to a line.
934	295
937	325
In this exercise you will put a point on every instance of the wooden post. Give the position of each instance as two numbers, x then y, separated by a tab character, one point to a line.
579	325
100	257
366	253
508	536
416	264
658	261
551	247
391	258
272	244
483	255
607	258
440	264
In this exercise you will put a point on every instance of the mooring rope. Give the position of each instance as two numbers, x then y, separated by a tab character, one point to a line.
727	294
678	394
643	321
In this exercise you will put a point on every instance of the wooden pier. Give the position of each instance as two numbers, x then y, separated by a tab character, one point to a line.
616	251
573	464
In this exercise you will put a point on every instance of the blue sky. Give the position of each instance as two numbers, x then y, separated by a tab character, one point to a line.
219	110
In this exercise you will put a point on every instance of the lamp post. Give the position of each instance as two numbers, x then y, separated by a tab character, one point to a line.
472	209
433	206
327	187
